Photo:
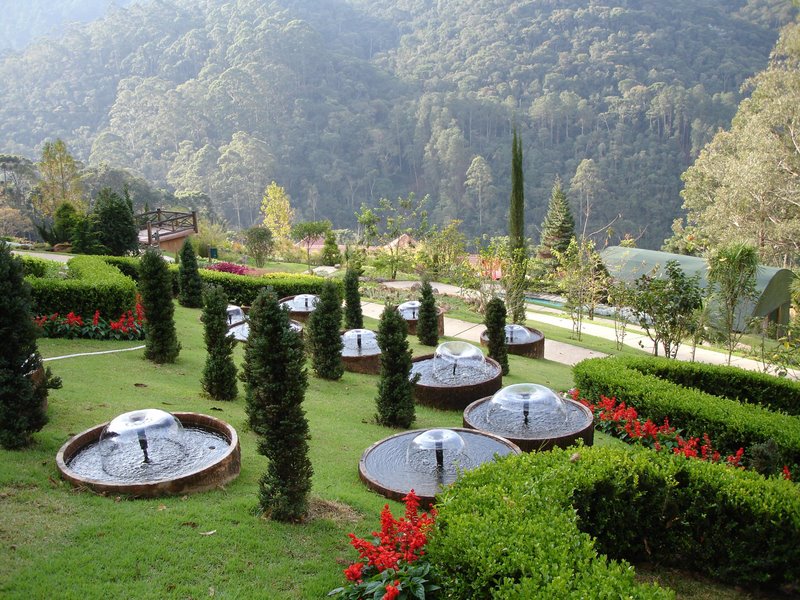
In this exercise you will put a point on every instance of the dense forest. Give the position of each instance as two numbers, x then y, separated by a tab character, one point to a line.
344	102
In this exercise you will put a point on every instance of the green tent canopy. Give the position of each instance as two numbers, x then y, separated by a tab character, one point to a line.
772	284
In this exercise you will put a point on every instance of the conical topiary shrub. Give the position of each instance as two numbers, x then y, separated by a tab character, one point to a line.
496	332
395	401
219	372
155	286
190	285
324	334
353	315
428	319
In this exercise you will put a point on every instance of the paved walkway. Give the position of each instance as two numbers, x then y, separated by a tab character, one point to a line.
568	353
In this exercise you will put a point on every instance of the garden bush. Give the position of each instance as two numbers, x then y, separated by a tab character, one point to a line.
91	285
731	424
562	524
35	267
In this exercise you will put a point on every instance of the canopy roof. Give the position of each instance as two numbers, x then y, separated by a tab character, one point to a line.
772	284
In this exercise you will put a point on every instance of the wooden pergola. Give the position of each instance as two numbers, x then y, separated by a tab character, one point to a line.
165	229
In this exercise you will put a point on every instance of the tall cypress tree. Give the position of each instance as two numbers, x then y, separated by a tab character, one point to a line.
428	319
190	285
395	399
353	316
496	332
155	285
518	263
22	410
219	373
558	227
324	335
276	382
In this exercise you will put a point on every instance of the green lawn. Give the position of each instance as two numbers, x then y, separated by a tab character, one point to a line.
58	542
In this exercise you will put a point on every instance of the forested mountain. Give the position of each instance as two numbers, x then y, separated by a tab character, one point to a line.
343	102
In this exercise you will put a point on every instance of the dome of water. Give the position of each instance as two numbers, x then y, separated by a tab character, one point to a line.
437	450
530	405
302	303
409	310
360	341
457	361
519	334
235	315
146	440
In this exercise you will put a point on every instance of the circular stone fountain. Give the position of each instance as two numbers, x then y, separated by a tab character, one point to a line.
239	326
149	453
300	306
455	375
410	313
532	416
521	340
360	351
425	460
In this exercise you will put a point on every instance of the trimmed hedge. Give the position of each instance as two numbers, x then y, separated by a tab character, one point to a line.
91	285
731	424
730	382
541	525
34	266
240	289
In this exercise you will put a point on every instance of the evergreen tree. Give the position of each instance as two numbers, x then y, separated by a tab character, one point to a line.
22	410
219	373
115	223
428	319
495	322
516	271
395	399
324	334
276	383
331	255
86	236
558	227
155	286
189	282
353	316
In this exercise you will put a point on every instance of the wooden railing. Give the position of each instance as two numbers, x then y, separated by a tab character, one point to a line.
157	222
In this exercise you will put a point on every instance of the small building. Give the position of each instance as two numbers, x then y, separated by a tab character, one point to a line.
773	298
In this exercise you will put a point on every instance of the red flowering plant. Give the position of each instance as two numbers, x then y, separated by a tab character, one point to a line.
228	267
392	565
621	421
129	326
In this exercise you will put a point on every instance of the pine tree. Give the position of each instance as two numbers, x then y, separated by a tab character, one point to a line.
353	316
189	282
395	399
495	322
516	271
331	255
428	319
155	285
276	383
22	411
558	227
219	373
115	223
324	335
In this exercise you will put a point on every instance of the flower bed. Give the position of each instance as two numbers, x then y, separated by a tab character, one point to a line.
129	326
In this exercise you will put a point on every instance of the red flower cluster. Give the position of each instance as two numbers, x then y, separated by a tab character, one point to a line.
129	326
228	267
623	421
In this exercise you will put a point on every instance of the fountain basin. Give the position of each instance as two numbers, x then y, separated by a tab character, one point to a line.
360	352
300	306
532	417
410	313
223	469
521	340
385	468
453	396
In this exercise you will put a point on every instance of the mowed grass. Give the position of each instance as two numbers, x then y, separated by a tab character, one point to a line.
59	542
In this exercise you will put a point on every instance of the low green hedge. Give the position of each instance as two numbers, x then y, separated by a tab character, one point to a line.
731	424
730	382
91	285
560	524
33	266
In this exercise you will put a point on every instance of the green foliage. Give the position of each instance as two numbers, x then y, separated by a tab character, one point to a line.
259	244
495	322
562	523
115	225
324	333
190	285
86	236
91	285
276	382
428	318
666	307
731	424
155	286
331	255
558	227
35	267
219	372
22	401
395	400
308	232
516	212
353	316
65	219
583	279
